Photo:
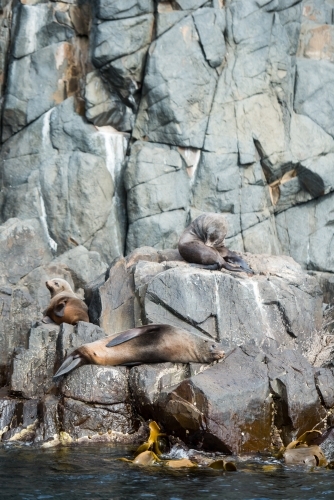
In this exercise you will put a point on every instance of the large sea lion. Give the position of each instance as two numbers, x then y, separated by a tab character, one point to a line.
65	306
145	344
202	243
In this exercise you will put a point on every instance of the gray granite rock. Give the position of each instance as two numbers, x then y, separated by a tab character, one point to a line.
25	245
169	103
314	87
114	39
71	337
33	368
57	177
324	381
81	420
98	384
303	233
210	24
84	266
234	309
148	382
142	184
7	413
104	106
297	403
123	8
212	410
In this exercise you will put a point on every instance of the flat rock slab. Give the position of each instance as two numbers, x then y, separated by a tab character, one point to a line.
279	305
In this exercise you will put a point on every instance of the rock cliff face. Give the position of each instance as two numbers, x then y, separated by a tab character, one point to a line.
123	120
263	393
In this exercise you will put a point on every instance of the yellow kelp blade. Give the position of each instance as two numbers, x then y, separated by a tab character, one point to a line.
152	441
270	467
223	465
183	462
309	436
296	444
312	455
146	458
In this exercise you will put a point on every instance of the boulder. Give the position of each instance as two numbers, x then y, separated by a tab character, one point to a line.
81	420
33	368
217	410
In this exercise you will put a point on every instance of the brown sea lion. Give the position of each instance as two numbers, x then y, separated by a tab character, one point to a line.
202	243
145	344
65	306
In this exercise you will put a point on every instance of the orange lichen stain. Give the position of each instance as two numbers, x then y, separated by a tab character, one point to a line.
321	43
187	33
71	61
307	12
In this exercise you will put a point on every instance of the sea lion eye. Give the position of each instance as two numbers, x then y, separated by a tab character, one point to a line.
56	283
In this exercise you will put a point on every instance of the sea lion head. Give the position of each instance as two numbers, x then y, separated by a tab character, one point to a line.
214	351
216	230
58	285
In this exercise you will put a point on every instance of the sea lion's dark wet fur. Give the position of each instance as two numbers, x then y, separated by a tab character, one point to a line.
202	243
146	344
65	306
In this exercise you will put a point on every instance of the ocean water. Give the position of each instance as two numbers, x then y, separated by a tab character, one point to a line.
93	472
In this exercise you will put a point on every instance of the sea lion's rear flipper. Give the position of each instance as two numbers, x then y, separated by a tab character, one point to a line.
235	259
132	333
211	267
47	319
59	309
69	364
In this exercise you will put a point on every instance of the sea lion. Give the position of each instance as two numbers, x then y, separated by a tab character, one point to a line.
65	306
202	243
145	344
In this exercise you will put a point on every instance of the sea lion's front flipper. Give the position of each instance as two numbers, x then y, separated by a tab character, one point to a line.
69	364
59	309
131	334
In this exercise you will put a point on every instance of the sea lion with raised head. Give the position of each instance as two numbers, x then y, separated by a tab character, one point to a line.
65	306
202	244
145	344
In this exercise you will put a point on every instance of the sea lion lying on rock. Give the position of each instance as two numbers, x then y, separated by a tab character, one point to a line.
65	306
145	344
202	243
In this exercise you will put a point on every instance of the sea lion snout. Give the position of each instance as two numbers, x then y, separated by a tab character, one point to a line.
216	351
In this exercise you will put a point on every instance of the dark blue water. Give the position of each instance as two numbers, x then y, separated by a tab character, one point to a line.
93	472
